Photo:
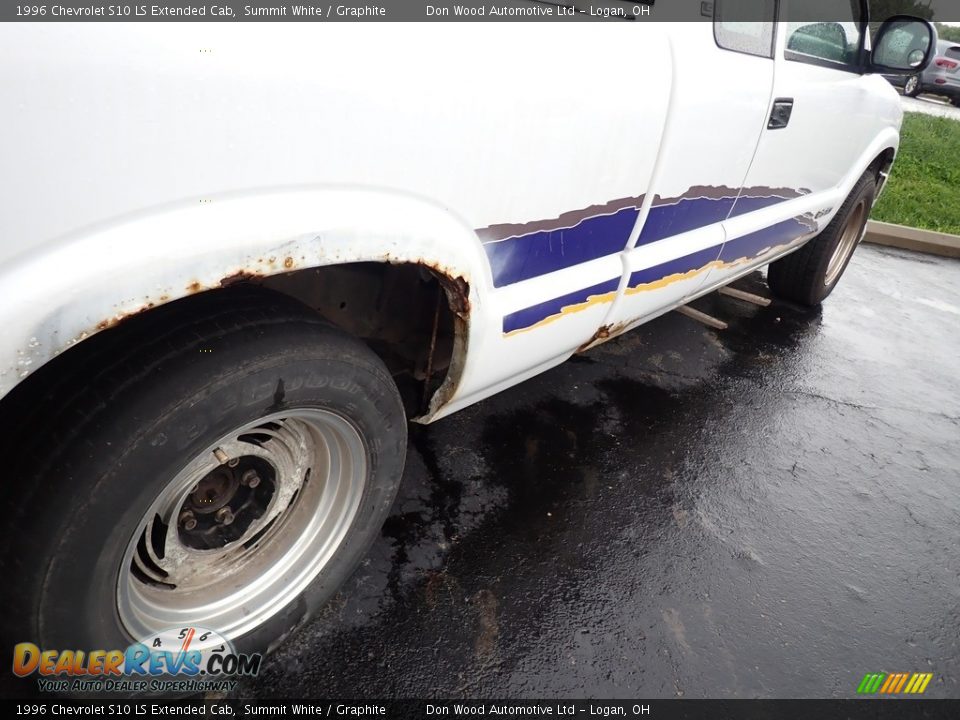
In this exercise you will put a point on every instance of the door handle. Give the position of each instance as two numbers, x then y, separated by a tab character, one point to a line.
780	114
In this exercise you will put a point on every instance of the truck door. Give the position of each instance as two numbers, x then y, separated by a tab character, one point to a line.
823	115
722	79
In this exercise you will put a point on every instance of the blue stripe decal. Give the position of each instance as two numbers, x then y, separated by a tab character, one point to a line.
755	244
522	251
528	317
747	247
687	263
664	221
529	256
746	204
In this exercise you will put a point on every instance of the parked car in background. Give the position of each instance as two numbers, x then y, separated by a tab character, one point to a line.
940	77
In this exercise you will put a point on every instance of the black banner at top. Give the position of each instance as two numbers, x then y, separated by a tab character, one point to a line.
440	10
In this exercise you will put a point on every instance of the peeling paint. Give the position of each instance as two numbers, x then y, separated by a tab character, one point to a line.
457	289
455	285
241	276
239	242
115	320
604	333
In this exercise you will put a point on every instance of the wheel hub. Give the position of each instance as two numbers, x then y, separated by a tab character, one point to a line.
225	503
245	526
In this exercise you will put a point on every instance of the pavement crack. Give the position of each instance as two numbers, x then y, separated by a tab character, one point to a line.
835	401
915	519
868	408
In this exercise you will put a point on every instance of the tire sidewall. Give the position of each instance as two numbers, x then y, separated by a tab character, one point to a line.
85	555
865	190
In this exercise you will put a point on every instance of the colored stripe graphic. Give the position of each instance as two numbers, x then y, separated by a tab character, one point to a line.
758	243
542	313
686	214
528	256
743	249
894	683
705	205
900	684
748	203
521	251
867	683
681	268
891	680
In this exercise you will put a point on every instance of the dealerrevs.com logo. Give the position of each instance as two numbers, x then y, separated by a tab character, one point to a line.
190	659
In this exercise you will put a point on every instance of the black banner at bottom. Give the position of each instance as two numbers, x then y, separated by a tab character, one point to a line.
876	709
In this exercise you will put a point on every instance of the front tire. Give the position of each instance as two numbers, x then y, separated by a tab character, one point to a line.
229	471
810	274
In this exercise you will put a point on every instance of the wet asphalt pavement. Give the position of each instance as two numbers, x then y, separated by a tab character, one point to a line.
772	510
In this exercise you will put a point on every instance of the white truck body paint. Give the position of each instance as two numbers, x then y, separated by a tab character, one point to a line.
142	165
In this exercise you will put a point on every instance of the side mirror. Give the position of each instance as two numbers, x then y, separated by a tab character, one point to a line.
902	45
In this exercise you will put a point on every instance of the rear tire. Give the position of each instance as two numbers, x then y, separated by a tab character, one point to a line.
810	274
125	458
955	101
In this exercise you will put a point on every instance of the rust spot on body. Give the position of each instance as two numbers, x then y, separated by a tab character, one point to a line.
240	276
194	287
455	285
458	294
115	320
603	333
457	289
288	263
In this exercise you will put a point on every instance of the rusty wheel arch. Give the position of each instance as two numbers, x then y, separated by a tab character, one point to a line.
414	315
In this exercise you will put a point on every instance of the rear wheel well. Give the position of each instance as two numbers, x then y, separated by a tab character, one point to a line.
410	315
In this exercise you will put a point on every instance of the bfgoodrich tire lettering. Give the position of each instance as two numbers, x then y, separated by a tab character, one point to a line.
810	274
141	417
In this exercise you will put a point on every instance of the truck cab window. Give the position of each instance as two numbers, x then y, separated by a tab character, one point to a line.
745	26
825	32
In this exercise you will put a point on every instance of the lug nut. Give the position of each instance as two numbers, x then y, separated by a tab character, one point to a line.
233	462
250	478
187	520
224	516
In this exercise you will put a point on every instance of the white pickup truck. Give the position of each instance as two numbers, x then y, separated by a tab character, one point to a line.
238	258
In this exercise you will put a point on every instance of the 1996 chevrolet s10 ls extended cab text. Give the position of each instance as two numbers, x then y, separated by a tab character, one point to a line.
237	259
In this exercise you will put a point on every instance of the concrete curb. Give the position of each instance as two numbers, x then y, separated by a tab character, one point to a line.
926	241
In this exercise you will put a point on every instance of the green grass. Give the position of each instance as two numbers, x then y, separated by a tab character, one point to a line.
924	189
